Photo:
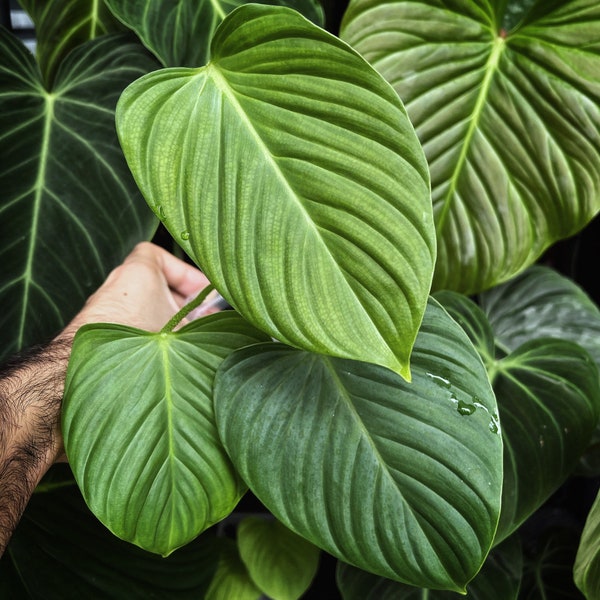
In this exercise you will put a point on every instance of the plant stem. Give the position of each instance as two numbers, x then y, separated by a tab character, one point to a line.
187	309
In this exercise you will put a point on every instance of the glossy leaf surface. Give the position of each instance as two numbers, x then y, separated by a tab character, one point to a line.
139	428
542	303
179	33
587	563
70	210
509	120
399	479
281	563
62	25
548	396
60	551
499	579
288	170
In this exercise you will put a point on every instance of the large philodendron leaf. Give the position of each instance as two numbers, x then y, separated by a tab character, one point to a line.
139	428
61	25
60	551
542	303
587	563
548	394
288	170
70	210
505	99
399	479
179	33
499	579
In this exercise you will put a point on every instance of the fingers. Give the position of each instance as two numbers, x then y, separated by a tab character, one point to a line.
184	279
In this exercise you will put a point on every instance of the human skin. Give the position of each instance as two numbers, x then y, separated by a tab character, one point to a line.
144	292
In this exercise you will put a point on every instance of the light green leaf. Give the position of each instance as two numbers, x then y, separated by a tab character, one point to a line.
280	563
179	33
60	551
542	303
587	563
548	394
139	428
509	121
499	579
288	170
399	479
69	210
231	579
61	25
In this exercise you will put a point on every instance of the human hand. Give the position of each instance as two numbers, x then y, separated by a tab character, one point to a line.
144	292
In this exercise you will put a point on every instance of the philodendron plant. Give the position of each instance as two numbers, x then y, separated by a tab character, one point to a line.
343	194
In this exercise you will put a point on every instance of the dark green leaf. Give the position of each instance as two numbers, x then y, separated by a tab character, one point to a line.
587	562
510	123
139	428
399	479
179	33
288	170
69	210
279	562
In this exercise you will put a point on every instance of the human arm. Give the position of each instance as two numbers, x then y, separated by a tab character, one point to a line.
145	292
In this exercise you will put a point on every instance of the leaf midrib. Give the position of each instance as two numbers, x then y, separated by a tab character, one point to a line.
491	68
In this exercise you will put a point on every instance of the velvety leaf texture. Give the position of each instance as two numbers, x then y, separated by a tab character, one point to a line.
70	210
288	170
399	479
179	33
139	428
509	121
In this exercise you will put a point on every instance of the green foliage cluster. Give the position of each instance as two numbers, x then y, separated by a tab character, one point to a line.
397	383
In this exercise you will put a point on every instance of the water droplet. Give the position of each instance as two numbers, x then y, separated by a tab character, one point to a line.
160	211
441	381
465	409
185	235
493	426
541	441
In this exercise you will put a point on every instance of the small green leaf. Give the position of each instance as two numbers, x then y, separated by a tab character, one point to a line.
69	210
395	478
289	172
509	121
280	563
231	579
587	563
139	428
62	25
179	33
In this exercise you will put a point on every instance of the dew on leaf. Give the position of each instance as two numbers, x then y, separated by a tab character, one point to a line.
465	409
185	235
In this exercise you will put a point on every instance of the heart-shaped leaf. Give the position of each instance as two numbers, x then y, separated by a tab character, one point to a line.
587	563
509	120
400	479
69	210
281	563
499	579
542	303
139	428
288	170
179	33
548	394
61	25
60	551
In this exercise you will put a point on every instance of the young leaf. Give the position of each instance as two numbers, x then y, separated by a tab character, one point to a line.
69	210
509	120
499	579
62	25
139	428
402	480
587	563
280	563
288	170
179	33
62	552
548	394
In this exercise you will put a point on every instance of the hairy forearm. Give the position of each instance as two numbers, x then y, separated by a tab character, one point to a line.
31	390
